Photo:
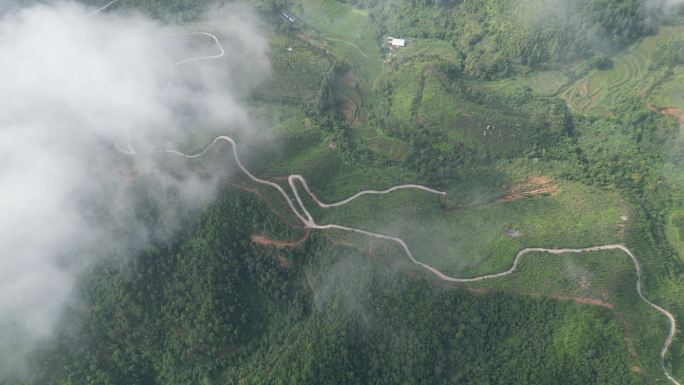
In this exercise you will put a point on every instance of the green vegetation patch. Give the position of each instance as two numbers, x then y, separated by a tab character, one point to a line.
669	93
675	231
372	324
350	32
422	48
299	72
606	279
543	82
632	74
484	239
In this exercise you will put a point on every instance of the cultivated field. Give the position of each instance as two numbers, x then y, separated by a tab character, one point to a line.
629	76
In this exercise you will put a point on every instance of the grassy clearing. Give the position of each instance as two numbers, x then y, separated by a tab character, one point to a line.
543	82
348	31
351	37
670	92
421	48
629	76
354	104
476	240
388	147
422	93
674	230
297	71
405	92
439	106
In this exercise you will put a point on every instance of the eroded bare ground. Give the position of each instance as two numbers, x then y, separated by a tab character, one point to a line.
534	185
280	244
669	111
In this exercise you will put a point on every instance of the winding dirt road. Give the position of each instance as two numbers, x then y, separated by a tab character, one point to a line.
222	51
307	219
305	216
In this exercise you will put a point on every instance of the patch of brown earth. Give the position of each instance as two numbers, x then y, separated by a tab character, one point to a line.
584	88
310	40
347	109
676	112
513	233
359	120
282	261
280	244
576	299
670	111
534	185
584	300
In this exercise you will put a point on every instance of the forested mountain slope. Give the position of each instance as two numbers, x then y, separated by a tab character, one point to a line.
535	117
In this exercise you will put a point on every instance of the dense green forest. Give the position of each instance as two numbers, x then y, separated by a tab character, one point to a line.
212	307
486	95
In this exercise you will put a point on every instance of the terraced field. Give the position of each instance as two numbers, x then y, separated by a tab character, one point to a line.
629	76
544	82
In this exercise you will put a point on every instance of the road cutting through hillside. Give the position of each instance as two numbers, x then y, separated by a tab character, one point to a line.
308	221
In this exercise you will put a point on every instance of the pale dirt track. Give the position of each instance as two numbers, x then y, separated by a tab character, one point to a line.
307	219
102	8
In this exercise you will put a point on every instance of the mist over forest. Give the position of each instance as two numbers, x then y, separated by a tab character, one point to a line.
354	191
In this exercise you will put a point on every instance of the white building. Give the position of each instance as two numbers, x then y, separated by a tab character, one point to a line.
396	43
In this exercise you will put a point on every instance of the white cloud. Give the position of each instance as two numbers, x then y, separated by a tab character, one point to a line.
71	85
663	7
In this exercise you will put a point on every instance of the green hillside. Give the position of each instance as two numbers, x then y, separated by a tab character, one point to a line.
551	124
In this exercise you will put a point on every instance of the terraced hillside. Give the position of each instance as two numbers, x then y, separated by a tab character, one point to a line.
630	75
